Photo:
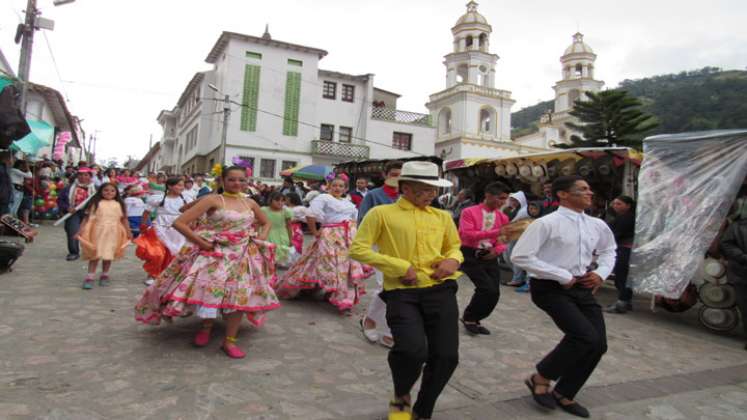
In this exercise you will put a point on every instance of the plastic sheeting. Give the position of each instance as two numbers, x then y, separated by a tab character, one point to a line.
686	185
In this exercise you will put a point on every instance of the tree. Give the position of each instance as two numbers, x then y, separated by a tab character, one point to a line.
610	118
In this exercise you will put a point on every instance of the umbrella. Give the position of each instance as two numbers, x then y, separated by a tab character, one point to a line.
40	136
310	172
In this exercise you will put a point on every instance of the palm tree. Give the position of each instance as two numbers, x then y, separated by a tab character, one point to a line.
609	118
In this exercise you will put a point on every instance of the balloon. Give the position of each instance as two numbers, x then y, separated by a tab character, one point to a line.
60	185
52	186
39	202
53	194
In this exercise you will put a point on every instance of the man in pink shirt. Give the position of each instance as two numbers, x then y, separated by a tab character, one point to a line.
479	227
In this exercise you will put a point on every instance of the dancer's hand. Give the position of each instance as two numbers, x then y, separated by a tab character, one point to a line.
410	278
205	245
590	280
444	268
570	284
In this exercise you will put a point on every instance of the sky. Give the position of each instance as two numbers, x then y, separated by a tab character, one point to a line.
120	62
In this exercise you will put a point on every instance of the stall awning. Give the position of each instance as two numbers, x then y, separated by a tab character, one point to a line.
41	135
544	157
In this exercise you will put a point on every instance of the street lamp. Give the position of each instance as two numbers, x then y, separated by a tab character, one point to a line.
226	115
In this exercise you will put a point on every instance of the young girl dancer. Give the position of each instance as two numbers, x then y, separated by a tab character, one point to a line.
158	244
325	265
280	233
299	218
104	233
226	269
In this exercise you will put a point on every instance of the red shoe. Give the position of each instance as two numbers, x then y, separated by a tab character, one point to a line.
234	352
202	338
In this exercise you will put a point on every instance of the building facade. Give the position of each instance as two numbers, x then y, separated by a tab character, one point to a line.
577	69
284	111
473	117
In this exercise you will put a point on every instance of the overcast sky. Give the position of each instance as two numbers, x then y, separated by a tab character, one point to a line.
122	61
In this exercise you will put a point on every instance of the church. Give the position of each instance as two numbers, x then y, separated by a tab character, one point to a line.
473	116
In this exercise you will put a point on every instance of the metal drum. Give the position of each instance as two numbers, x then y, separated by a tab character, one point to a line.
718	296
714	271
718	319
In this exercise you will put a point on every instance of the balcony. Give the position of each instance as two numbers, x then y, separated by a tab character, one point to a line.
332	149
400	117
474	89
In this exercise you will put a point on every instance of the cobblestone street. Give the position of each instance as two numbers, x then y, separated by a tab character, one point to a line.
74	354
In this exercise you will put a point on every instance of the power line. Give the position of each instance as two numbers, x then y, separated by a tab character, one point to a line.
56	68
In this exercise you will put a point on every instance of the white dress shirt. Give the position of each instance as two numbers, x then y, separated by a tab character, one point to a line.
562	245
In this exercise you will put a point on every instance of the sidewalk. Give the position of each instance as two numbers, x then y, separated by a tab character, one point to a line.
74	354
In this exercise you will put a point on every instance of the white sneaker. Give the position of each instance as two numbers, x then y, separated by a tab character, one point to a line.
149	281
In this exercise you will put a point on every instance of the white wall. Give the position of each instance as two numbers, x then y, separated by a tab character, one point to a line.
382	132
340	113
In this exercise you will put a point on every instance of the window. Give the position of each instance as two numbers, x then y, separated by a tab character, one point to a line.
345	134
211	163
402	141
250	99
292	103
267	168
287	164
348	93
297	63
486	123
250	54
327	132
330	90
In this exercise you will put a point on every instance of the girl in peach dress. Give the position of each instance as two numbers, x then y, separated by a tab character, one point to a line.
104	234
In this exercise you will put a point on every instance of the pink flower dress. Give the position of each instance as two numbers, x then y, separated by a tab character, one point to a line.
234	276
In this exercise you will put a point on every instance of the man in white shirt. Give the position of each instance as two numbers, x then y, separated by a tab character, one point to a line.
558	252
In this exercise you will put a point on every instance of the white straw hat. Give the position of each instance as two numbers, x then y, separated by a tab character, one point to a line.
423	172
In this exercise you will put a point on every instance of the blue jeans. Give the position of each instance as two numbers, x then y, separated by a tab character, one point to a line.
72	226
519	274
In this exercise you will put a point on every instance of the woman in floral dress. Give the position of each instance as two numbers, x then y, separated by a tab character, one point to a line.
325	265
227	269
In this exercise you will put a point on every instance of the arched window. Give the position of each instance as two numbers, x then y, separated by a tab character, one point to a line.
462	74
579	70
487	120
483	41
468	42
444	121
573	96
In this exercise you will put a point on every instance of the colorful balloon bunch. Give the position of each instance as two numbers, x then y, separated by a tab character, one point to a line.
45	204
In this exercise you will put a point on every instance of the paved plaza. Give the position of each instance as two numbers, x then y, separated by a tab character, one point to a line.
74	354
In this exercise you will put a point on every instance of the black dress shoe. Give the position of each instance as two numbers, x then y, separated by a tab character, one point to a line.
472	328
482	330
616	308
545	400
574	408
72	257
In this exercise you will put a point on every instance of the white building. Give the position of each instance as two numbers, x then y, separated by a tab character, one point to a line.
473	116
577	64
285	111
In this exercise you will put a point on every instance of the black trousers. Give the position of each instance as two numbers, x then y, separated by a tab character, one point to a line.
741	294
72	226
485	275
579	316
424	324
622	267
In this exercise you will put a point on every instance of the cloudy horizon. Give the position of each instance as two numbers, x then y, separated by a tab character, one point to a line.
120	63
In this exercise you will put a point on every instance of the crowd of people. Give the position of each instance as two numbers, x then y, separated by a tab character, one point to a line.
230	248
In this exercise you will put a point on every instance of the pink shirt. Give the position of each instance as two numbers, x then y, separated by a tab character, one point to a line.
471	228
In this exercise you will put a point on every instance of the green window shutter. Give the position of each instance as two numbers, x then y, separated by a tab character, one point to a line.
292	103
251	98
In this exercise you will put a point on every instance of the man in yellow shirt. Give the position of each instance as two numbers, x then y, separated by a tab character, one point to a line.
419	255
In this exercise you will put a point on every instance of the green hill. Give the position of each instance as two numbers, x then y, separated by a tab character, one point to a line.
703	99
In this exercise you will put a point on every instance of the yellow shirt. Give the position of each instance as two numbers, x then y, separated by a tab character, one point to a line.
406	236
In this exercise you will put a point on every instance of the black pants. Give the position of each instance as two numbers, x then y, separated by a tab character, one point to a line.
485	275
72	226
622	267
579	316
424	324
741	294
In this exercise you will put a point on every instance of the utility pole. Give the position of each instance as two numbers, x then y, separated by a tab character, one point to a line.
226	115
24	67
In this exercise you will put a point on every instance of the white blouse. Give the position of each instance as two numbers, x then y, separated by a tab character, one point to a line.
327	209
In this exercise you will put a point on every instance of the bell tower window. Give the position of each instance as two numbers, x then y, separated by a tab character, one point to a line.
468	42
579	70
486	121
483	42
444	121
462	74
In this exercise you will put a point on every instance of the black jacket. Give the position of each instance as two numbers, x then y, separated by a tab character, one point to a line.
734	247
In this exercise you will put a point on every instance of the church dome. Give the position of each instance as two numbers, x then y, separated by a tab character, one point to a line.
578	46
472	16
